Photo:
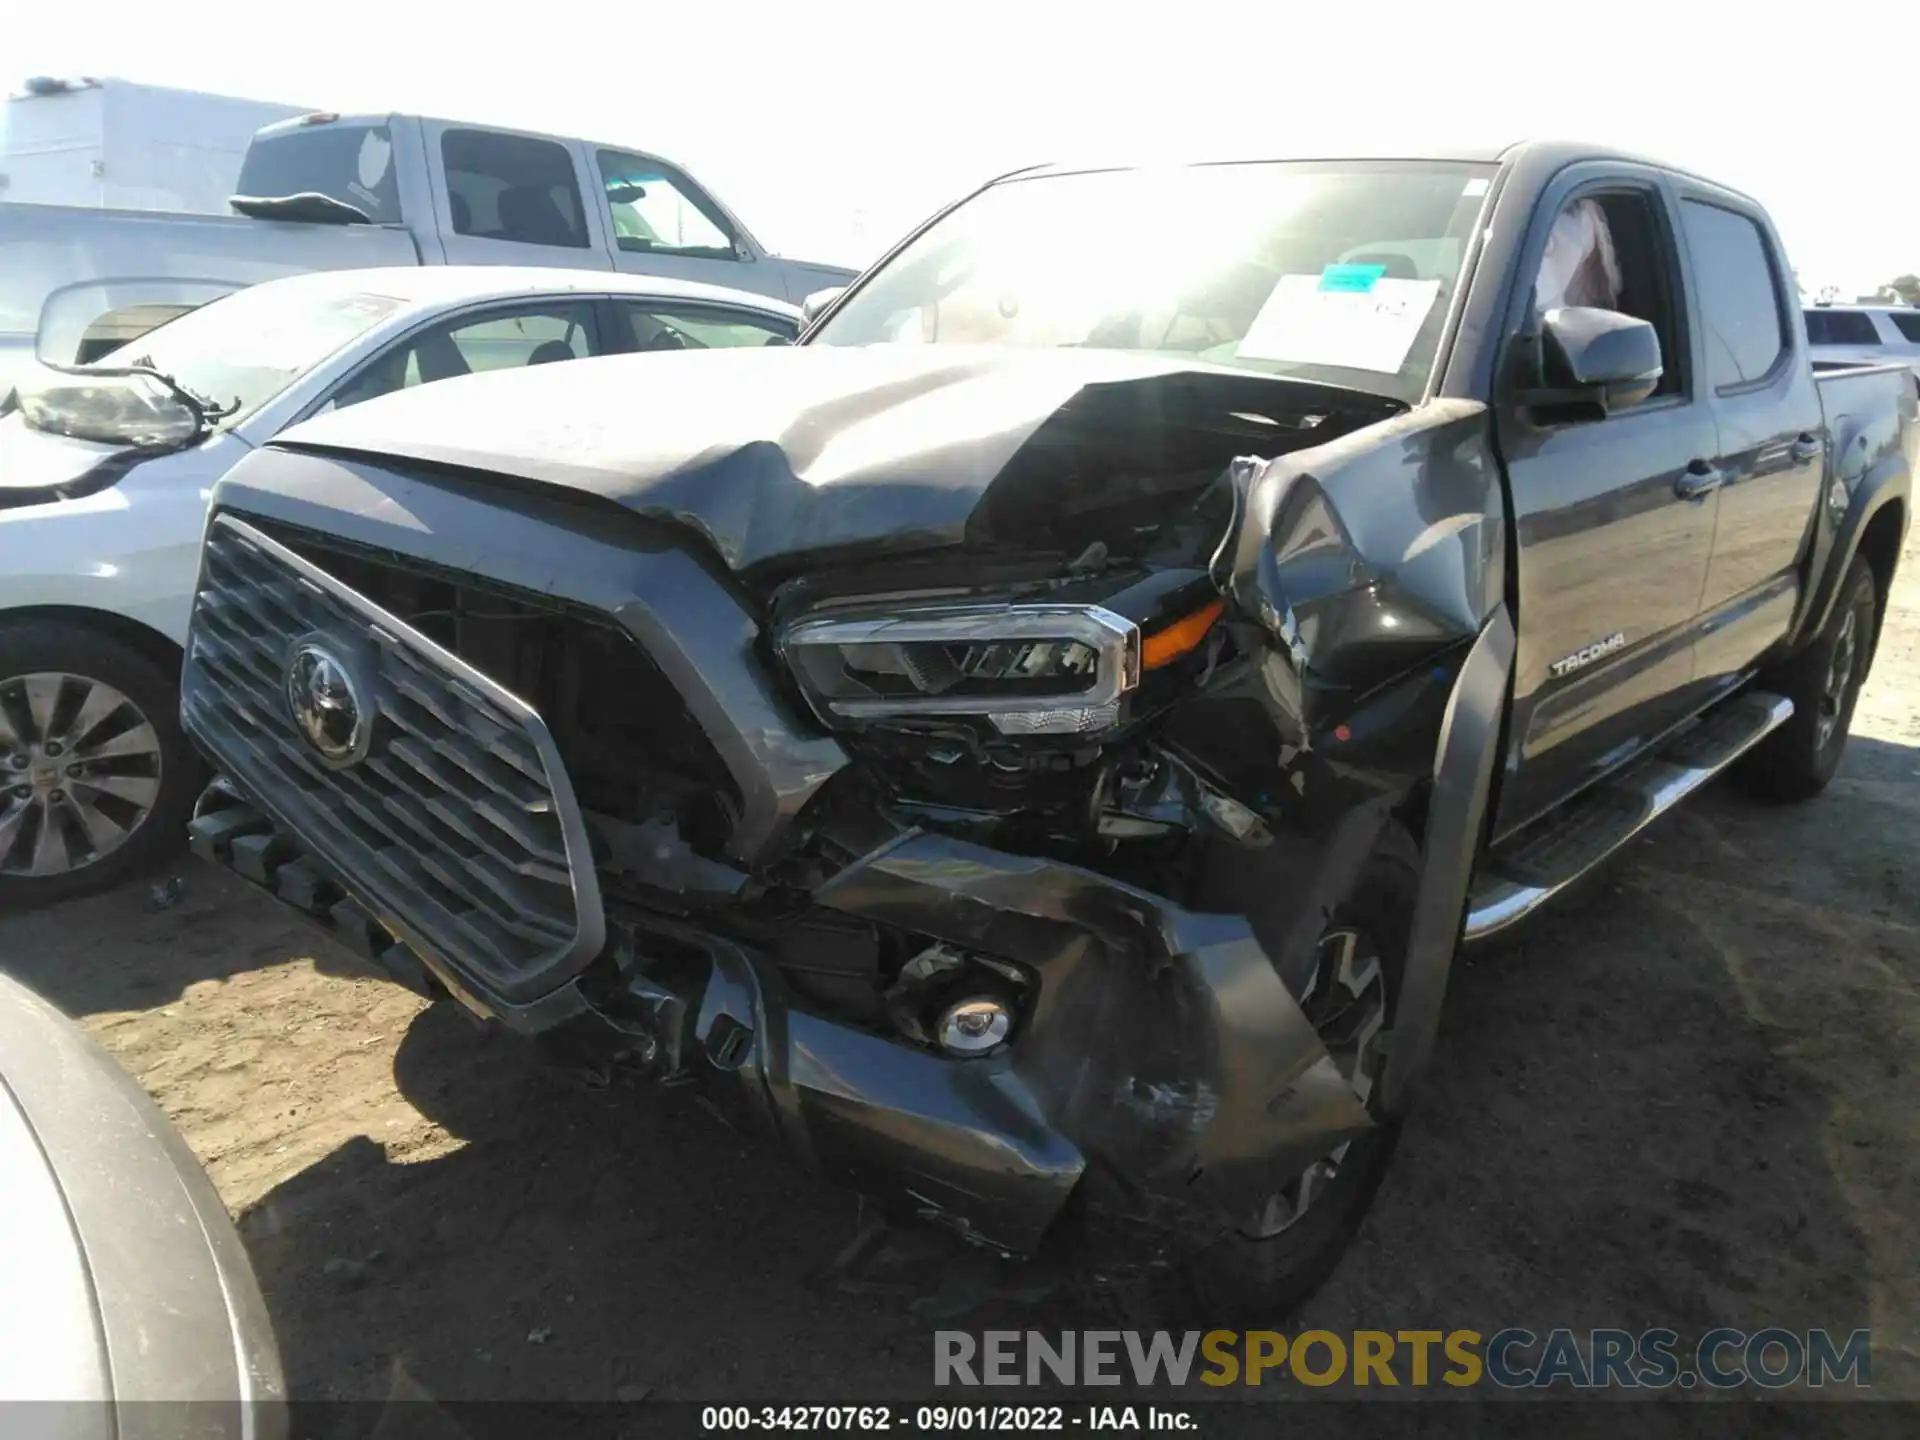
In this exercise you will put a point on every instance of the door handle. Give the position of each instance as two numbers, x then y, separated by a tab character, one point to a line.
1698	480
1805	448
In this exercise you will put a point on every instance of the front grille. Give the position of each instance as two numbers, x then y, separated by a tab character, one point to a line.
458	824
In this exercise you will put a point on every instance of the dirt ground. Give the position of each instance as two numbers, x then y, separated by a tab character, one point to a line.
1690	1101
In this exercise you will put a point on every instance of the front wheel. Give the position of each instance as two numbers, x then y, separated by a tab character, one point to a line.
96	776
1823	681
1262	1270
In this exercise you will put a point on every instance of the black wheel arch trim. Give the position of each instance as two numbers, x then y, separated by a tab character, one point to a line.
1886	483
1463	771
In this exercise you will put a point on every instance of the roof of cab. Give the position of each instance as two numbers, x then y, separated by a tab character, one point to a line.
315	118
426	286
1462	152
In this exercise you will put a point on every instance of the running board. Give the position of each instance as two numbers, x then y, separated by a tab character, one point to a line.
1547	857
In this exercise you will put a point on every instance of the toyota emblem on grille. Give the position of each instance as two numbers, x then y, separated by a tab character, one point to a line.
326	703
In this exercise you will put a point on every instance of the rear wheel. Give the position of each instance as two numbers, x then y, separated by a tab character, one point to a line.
96	776
1823	681
1265	1268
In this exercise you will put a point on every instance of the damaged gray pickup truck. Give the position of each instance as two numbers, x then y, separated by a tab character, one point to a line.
1039	742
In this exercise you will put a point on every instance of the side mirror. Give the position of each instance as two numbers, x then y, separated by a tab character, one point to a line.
1595	360
819	300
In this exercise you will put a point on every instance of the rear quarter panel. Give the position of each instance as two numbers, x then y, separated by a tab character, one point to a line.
1873	425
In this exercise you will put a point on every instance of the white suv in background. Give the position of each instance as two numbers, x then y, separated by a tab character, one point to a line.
1864	335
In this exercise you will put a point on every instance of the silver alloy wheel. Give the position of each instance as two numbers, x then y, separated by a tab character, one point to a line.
1833	697
80	768
1346	999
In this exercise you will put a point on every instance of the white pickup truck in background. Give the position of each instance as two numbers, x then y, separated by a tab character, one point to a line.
1839	336
331	192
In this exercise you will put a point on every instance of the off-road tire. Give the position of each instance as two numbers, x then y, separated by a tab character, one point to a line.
1259	1282
1798	759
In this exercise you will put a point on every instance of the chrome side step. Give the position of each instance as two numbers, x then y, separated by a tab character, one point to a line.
1519	878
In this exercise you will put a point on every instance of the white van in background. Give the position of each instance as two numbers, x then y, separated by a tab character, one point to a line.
109	144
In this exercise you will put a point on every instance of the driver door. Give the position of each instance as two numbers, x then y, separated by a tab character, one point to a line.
662	223
1611	557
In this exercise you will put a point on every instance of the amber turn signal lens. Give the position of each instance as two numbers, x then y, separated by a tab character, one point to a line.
1163	647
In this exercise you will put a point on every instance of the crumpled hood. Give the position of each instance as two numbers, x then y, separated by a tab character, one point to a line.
784	451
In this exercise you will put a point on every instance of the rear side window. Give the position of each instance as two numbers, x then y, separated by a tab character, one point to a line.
1739	301
1840	327
512	187
349	163
1908	325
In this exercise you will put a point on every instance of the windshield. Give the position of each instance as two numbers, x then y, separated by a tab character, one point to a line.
1333	271
243	350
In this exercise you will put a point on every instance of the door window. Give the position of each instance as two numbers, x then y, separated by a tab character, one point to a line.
1908	325
513	188
1840	327
1612	250
656	211
1739	299
658	327
472	345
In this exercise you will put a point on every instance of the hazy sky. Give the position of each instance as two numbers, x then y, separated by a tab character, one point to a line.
830	126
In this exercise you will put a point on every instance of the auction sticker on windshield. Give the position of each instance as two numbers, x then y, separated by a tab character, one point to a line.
1343	317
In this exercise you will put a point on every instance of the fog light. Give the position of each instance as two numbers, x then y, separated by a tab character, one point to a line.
973	1026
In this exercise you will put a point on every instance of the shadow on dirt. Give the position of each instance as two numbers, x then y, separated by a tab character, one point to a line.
581	1244
174	928
1651	1108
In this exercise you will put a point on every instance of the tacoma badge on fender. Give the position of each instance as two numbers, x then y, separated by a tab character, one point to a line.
1587	654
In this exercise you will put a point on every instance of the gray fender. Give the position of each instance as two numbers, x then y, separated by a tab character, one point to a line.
1463	768
1886	482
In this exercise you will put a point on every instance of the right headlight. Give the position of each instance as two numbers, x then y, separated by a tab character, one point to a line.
1039	669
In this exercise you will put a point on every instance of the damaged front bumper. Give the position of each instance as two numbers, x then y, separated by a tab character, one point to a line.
1162	1078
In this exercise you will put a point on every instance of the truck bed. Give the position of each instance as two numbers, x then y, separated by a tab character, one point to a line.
1869	408
50	248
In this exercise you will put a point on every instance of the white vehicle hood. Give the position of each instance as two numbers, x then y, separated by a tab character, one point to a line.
36	467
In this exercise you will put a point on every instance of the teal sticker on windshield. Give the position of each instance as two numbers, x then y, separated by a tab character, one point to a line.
1351	277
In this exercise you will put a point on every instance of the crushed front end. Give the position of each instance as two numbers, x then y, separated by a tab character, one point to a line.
990	883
